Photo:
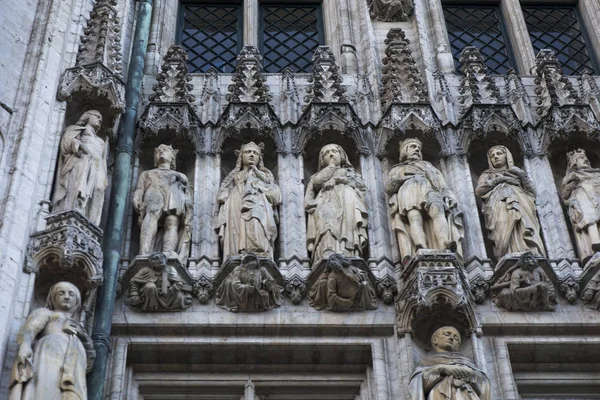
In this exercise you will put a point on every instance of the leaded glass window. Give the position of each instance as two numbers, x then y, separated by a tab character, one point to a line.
481	27
558	29
211	35
290	36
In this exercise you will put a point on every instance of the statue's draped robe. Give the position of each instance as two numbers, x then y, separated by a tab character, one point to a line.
168	192
422	185
150	280
59	361
337	217
337	291
245	290
523	293
439	387
581	192
81	180
510	214
247	220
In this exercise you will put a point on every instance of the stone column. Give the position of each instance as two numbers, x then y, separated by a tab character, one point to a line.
251	23
508	387
519	36
441	44
292	219
162	33
590	12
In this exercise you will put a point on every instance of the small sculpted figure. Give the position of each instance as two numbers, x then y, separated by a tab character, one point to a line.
342	287
336	206
249	287
580	191
447	374
424	210
509	205
81	179
158	287
248	200
525	287
391	10
163	200
54	351
590	295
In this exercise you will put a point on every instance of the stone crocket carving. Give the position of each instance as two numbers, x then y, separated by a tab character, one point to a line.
447	374
163	200
336	205
81	178
54	351
424	210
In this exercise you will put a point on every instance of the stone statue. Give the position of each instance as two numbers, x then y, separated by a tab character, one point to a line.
525	287
509	205
249	287
54	351
81	178
342	287
424	211
447	374
580	190
336	206
248	200
158	287
391	10
163	200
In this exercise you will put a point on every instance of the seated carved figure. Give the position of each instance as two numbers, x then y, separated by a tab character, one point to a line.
580	191
424	210
525	287
54	351
447	374
158	287
391	10
342	287
249	287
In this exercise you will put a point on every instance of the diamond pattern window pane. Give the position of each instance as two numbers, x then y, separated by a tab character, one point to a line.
210	36
557	28
290	37
479	27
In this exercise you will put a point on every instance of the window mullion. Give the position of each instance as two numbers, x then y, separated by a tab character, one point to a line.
250	10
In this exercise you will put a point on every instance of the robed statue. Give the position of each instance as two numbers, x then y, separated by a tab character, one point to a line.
54	351
424	210
248	200
164	203
81	178
447	374
336	205
580	190
508	197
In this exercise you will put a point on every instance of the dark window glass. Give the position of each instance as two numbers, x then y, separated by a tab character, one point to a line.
558	29
290	36
211	36
480	27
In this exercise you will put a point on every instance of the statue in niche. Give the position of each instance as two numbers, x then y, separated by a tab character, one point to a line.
163	200
391	10
82	178
525	287
508	197
342	287
447	374
424	210
336	205
249	287
580	190
248	200
54	351
158	287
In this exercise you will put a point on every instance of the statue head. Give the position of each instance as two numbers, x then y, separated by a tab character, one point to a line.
92	118
336	262
333	154
500	158
577	159
64	296
528	260
166	153
410	149
157	261
250	261
250	154
446	339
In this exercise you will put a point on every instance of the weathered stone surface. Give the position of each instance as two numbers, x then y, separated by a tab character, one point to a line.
391	10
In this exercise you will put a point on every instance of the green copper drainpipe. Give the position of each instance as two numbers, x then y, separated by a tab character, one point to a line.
121	185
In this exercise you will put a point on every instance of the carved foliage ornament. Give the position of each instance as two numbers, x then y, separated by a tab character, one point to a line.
248	82
172	82
325	83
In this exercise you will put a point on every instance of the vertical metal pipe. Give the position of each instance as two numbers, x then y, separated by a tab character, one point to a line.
121	185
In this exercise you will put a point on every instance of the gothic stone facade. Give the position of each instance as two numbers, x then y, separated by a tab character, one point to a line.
385	75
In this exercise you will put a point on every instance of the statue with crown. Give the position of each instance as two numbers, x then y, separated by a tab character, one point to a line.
424	210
